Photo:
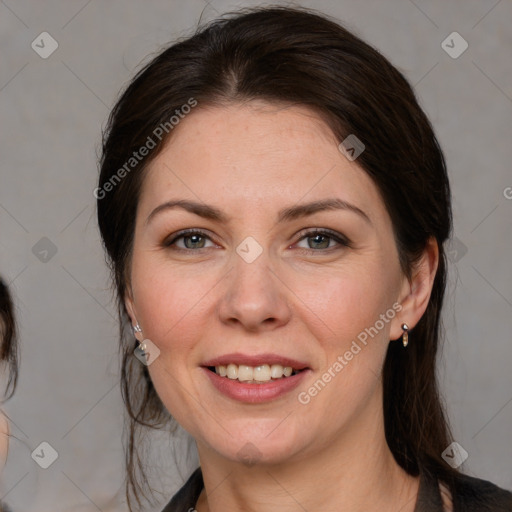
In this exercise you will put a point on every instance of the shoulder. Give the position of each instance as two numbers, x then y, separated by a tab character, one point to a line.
468	494
472	494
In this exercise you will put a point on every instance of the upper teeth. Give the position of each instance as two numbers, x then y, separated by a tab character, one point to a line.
262	373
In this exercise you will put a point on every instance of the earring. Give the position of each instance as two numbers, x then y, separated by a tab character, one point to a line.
405	335
138	330
140	350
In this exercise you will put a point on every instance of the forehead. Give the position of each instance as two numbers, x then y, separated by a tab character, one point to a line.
242	132
256	153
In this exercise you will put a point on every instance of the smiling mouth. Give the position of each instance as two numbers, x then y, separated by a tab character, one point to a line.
254	374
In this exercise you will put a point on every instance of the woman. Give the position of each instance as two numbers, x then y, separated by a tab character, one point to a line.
9	357
274	204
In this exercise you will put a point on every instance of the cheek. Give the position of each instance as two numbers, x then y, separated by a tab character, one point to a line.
171	306
344	314
343	303
171	303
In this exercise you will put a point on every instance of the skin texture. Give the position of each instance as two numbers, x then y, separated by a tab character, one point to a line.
307	302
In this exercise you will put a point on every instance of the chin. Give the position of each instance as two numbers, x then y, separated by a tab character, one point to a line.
253	442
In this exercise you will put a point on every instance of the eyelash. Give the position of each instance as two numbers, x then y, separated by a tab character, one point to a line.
341	240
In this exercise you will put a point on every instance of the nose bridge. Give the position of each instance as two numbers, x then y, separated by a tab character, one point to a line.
254	295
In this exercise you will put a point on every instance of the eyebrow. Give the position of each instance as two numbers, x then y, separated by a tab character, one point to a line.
286	214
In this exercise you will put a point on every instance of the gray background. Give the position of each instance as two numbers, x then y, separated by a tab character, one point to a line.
52	111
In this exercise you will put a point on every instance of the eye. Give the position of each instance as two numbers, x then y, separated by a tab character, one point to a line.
317	239
321	239
192	239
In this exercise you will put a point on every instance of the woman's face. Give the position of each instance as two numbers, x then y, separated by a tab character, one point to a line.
257	287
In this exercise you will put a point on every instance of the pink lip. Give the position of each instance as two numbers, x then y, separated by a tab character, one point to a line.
254	393
255	360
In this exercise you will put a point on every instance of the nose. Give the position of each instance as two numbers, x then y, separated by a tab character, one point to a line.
255	297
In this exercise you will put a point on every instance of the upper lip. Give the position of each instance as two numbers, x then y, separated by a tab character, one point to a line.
255	360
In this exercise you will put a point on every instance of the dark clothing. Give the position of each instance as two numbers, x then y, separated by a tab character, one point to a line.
468	495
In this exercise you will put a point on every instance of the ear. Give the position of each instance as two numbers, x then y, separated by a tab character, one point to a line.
416	291
130	308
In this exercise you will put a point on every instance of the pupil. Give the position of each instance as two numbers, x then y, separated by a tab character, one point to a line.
317	239
194	240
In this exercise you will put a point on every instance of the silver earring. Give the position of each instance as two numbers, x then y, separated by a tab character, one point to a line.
405	335
140	350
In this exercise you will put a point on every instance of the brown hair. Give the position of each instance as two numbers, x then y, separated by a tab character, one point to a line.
294	56
8	343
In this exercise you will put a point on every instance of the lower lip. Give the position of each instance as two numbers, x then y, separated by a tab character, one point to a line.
255	393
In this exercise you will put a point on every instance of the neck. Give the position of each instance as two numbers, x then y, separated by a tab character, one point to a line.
357	472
